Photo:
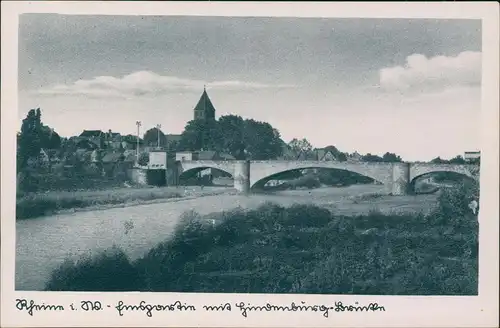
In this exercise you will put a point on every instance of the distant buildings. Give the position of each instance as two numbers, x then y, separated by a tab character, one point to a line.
472	156
203	110
355	157
318	154
206	155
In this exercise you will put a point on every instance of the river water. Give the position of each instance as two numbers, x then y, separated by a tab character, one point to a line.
44	243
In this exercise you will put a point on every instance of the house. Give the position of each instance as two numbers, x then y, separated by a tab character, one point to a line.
116	163
113	140
129	156
327	156
86	144
96	137
95	156
322	154
472	156
83	155
307	156
355	157
112	157
130	142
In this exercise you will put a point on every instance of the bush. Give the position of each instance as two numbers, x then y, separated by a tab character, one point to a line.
453	203
300	249
109	271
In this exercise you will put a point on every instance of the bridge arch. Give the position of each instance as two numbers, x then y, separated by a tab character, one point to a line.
296	174
264	171
184	168
419	170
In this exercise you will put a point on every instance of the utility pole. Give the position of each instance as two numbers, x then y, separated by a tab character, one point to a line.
158	127
138	123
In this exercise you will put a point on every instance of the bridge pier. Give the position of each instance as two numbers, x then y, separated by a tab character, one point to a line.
400	179
242	176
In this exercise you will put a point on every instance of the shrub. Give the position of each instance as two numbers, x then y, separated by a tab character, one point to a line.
109	271
300	249
453	203
307	216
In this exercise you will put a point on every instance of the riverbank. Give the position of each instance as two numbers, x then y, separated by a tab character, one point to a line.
43	243
36	205
297	249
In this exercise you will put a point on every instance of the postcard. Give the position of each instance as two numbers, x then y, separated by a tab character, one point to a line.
250	164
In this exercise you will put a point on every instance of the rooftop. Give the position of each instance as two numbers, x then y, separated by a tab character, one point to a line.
205	104
91	133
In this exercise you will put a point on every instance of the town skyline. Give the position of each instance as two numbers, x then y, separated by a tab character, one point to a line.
400	101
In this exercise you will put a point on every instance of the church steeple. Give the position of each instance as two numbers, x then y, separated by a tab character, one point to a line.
204	109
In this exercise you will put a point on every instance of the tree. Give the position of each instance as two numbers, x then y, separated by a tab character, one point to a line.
244	139
201	135
143	159
231	128
372	158
151	138
132	140
261	140
391	157
173	146
457	160
300	146
342	157
438	160
29	139
49	138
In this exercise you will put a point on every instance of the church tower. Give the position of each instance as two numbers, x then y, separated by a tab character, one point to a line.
204	110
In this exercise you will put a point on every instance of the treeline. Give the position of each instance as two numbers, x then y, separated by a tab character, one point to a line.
33	137
242	138
455	160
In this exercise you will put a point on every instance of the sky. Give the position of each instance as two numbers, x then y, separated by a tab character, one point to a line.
408	86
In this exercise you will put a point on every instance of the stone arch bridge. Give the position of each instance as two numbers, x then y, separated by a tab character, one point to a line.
398	178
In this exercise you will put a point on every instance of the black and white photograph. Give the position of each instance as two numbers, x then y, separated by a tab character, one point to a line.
249	155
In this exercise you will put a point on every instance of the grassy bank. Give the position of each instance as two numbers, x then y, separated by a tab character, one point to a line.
39	204
300	249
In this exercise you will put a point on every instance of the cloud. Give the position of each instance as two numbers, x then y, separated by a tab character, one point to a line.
422	73
145	83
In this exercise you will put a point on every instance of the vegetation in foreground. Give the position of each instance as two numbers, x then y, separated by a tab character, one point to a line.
301	249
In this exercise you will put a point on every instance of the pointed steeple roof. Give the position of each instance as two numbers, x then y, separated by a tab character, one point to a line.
205	104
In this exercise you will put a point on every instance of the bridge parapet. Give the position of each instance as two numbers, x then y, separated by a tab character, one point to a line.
397	177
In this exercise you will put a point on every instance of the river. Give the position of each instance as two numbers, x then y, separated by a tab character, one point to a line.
43	243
